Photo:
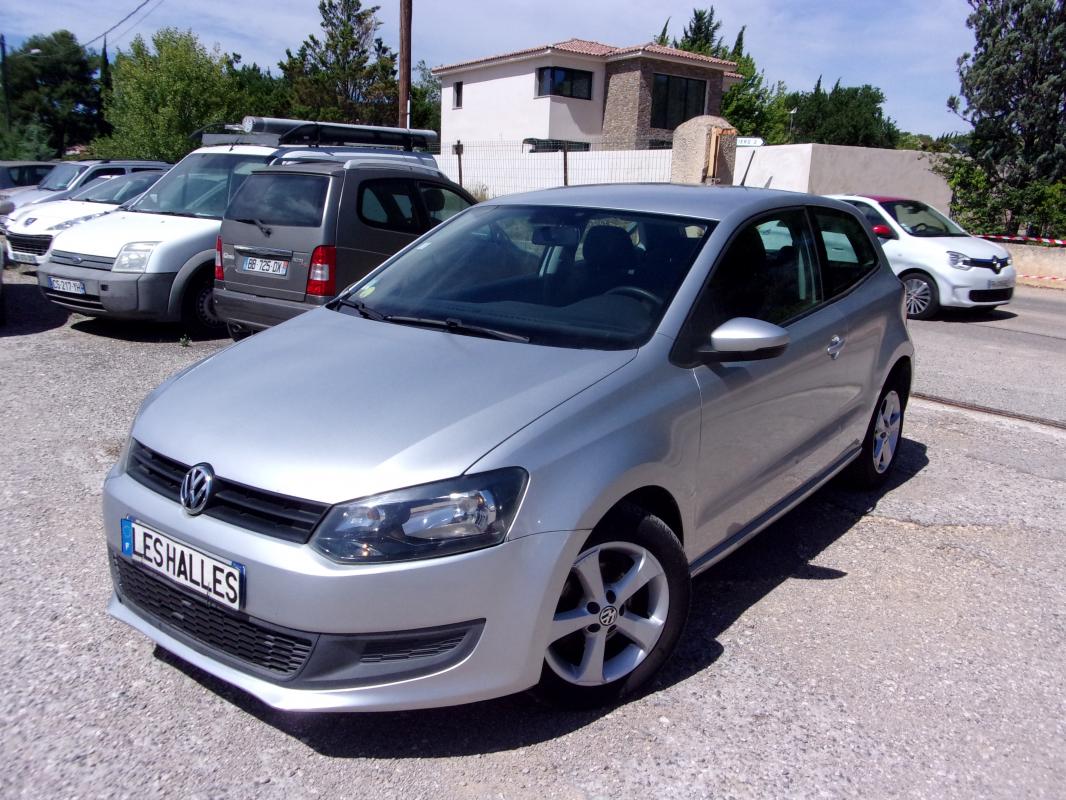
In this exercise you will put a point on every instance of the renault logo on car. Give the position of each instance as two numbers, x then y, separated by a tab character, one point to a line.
196	488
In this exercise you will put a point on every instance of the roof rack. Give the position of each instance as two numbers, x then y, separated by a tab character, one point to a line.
301	131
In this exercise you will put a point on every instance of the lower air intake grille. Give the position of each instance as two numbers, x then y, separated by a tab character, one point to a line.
278	653
991	295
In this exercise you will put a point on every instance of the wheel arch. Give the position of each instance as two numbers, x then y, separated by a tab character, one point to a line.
658	501
202	261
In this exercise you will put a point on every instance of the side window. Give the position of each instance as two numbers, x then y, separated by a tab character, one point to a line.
103	172
388	204
441	202
768	272
849	254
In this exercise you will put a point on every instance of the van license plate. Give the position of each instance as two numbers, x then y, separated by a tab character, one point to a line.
269	266
205	575
63	285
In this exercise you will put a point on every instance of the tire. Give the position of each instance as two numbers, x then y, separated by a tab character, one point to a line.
236	332
198	307
923	299
615	636
880	447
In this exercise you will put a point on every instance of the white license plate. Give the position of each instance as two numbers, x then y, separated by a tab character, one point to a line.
23	258
268	265
206	575
1000	283
64	285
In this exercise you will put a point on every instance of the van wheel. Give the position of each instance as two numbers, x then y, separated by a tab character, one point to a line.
620	613
923	299
198	307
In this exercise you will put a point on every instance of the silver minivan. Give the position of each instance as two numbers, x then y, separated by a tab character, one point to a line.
496	462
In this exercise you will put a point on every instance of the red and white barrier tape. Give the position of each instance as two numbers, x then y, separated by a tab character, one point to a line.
1043	277
1024	239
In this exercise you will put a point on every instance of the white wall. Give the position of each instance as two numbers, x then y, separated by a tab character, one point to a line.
785	166
500	103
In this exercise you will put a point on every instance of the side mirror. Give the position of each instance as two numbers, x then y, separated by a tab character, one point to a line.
743	339
883	231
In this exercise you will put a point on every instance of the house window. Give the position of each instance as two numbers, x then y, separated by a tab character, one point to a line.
674	100
457	94
564	83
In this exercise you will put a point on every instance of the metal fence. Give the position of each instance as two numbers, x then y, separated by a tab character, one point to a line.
492	168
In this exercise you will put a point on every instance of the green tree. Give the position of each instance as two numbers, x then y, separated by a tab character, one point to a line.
348	75
845	115
663	37
754	107
701	35
164	92
1013	93
51	85
425	99
27	141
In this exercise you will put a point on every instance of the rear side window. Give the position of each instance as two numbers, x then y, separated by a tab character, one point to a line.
296	201
849	254
441	202
388	204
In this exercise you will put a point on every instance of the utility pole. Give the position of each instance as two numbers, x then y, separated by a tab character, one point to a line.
405	63
3	69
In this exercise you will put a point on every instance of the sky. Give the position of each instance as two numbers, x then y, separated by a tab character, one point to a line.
907	48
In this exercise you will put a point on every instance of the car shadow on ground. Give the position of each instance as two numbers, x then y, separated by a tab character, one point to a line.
782	552
141	331
973	315
27	312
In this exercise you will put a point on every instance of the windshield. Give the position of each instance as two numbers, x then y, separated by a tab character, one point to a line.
61	176
200	185
117	190
275	198
568	277
918	219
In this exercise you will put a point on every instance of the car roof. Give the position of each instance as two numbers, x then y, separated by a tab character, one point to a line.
702	202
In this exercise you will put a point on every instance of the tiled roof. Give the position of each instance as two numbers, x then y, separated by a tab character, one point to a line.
585	47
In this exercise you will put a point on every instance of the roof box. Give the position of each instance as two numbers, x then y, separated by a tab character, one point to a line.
309	132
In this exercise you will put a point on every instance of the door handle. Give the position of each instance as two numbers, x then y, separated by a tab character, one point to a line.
836	344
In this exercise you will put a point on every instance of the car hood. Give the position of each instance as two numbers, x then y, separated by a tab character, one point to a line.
19	199
331	407
39	218
967	245
106	235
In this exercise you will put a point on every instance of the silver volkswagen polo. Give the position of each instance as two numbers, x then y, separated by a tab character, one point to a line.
496	462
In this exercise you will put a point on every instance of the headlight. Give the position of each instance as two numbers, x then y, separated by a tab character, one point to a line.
134	257
958	260
435	519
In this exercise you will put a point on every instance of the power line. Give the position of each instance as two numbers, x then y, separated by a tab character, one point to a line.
119	37
105	33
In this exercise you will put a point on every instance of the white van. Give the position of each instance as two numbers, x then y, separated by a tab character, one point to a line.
155	260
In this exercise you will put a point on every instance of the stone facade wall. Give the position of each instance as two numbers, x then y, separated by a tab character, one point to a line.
627	100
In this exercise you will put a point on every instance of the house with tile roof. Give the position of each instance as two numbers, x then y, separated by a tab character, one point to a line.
579	90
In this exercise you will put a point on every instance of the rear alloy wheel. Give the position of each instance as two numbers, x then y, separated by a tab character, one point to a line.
620	613
198	308
881	446
922	300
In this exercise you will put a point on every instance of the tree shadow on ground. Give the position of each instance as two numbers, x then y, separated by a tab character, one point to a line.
783	551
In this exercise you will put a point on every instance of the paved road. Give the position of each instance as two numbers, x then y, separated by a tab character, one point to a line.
904	645
1013	359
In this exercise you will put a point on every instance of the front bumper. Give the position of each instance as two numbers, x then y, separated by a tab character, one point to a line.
257	313
976	287
500	598
125	295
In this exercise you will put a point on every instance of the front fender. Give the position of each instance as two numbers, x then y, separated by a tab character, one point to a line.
204	258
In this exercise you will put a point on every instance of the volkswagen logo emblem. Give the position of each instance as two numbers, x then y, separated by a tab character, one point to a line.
608	616
196	488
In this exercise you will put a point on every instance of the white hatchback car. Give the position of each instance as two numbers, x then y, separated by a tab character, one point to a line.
939	263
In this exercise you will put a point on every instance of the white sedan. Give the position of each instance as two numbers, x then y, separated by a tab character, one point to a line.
939	263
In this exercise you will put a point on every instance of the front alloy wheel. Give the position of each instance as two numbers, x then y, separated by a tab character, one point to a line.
921	299
620	613
888	421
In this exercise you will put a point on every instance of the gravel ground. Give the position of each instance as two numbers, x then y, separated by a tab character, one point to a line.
908	645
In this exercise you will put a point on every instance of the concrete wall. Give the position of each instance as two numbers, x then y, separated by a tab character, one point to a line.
500	102
1031	259
831	169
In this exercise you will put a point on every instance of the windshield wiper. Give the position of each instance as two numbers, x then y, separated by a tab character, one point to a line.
263	229
365	311
453	325
169	213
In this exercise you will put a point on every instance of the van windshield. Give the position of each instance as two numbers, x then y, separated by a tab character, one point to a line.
564	277
200	185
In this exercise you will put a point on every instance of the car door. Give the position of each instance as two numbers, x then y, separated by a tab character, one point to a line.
769	427
387	217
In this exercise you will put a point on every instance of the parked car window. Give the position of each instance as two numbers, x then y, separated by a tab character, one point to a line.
873	216
117	190
441	202
281	199
768	272
849	253
61	176
388	204
918	219
201	185
105	172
